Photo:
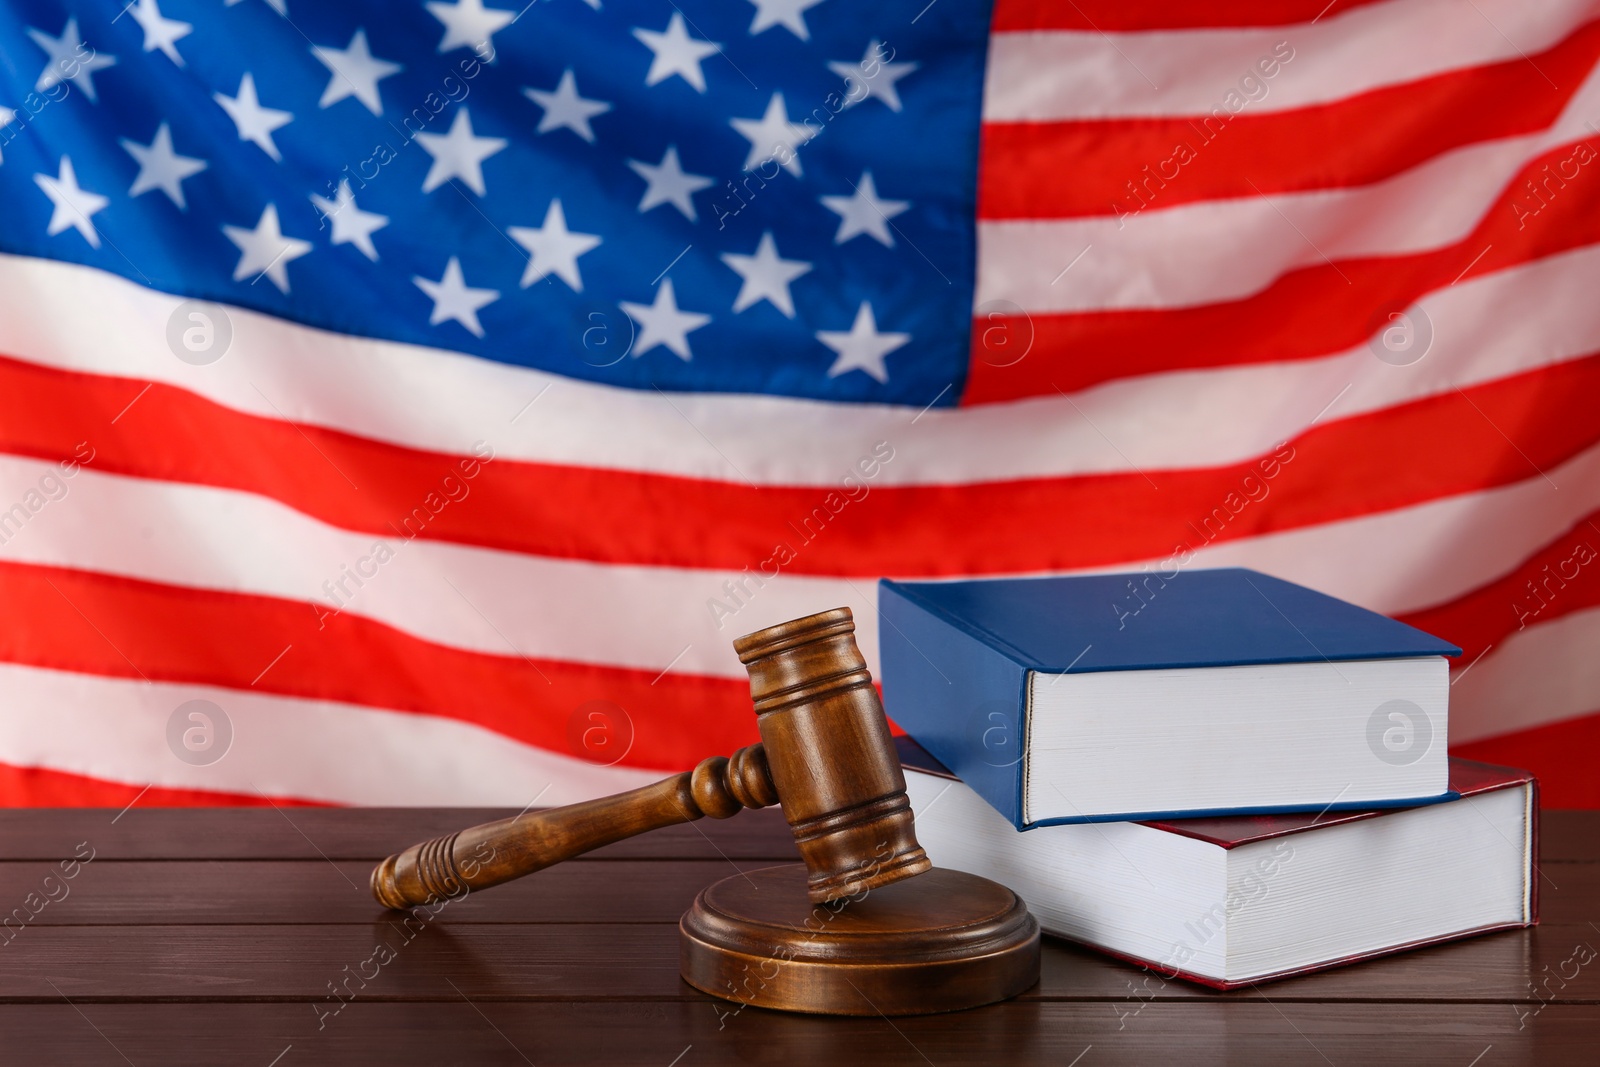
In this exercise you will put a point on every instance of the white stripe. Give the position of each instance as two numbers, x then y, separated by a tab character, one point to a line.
443	401
501	603
1544	674
115	729
1066	75
1219	250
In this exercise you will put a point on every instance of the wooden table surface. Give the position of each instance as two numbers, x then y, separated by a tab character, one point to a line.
220	937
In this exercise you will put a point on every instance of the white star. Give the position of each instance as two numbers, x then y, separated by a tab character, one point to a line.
356	72
565	108
468	24
74	206
458	154
864	212
454	299
766	276
863	348
663	324
69	60
773	136
254	122
676	53
161	168
265	250
860	86
7	117
159	32
787	13
668	184
350	224
554	248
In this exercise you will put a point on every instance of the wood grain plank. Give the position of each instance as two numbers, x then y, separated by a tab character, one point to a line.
145	892
215	936
532	962
1570	892
307	892
366	834
698	1034
1572	836
373	833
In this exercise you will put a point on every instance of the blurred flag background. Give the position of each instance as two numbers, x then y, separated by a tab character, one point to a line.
408	402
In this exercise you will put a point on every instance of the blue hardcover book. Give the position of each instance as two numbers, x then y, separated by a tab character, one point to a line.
1143	696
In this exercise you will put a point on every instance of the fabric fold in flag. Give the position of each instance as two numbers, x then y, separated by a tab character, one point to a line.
450	382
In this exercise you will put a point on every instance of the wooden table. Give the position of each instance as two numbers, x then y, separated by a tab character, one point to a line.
232	936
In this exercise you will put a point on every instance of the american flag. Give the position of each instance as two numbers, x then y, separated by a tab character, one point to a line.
407	402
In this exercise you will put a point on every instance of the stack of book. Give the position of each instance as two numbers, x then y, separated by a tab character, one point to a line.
1218	774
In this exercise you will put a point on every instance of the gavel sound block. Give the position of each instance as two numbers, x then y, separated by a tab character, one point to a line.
865	926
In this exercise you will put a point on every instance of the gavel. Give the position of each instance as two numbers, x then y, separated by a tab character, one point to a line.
825	756
848	932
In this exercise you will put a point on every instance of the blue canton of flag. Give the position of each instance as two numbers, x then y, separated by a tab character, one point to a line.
775	196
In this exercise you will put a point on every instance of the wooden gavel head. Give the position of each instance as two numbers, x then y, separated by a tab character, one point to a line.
830	755
825	755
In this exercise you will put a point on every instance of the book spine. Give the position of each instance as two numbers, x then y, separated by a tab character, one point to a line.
959	698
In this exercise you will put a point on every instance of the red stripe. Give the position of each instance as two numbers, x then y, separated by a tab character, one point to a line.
1560	754
1304	314
1122	16
39	787
1408	454
1030	170
1560	578
101	624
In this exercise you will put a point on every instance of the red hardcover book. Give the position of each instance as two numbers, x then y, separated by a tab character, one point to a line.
1242	899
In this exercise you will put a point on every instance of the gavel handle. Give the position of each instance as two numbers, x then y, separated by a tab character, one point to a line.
496	852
